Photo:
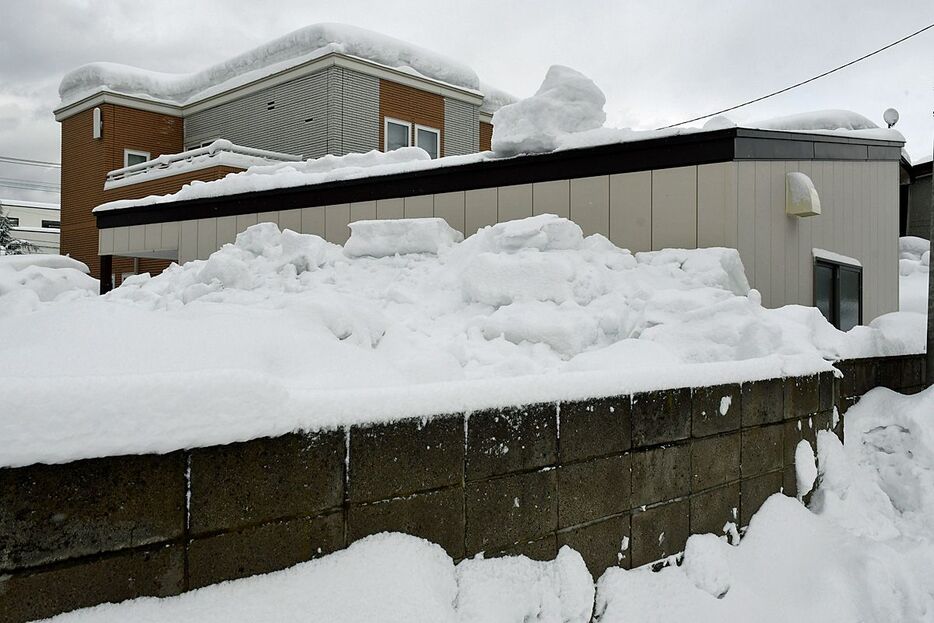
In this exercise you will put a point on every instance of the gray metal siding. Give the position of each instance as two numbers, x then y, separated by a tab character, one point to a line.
360	112
461	128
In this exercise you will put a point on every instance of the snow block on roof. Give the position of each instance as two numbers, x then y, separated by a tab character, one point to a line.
279	54
390	237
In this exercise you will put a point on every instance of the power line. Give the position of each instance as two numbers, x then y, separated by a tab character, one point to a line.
36	163
27	185
803	82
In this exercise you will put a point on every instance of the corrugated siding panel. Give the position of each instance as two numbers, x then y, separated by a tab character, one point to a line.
461	128
360	116
290	117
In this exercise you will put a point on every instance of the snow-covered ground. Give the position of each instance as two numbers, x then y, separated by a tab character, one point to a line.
913	263
310	335
863	551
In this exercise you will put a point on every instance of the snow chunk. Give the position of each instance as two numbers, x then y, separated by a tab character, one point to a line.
805	468
705	564
290	50
381	238
516	588
566	102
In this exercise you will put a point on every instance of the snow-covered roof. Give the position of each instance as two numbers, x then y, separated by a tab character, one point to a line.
293	49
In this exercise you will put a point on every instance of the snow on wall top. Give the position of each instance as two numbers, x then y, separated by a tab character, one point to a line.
289	50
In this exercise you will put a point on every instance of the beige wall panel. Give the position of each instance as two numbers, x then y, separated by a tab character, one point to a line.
105	241
746	217
313	221
152	237
781	230
841	208
226	230
552	198
188	241
764	231
363	211
207	237
631	210
804	294
170	235
290	219
245	221
268	217
450	207
137	237
674	208
716	205
889	233
590	204
390	209
480	209
121	239
420	206
336	218
514	202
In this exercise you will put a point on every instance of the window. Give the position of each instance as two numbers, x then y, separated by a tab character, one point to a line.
13	221
428	139
131	157
397	134
51	224
838	290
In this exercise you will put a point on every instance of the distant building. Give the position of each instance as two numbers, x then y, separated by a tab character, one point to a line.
324	89
916	198
35	222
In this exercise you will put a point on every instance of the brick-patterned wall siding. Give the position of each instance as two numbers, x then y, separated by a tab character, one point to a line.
86	162
161	186
654	467
486	136
410	104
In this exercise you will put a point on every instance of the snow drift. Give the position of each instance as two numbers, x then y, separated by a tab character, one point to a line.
26	281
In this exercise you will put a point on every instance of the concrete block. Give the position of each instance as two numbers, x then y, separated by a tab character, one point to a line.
602	544
399	458
157	571
802	396
715	461
829	390
762	402
661	417
707	404
262	549
593	489
762	450
710	511
509	510
500	441
545	548
793	432
859	376
757	490
659	532
591	428
437	516
661	474
50	513
790	481
265	480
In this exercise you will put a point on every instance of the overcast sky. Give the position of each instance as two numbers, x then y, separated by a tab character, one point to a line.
658	62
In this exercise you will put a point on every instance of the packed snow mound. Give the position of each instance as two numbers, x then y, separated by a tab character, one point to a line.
277	55
298	328
567	102
385	578
27	281
387	237
913	266
817	120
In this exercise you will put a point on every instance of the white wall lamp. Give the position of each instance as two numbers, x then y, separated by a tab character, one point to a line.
801	197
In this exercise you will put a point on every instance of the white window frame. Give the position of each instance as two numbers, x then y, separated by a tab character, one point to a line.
386	123
133	152
427	128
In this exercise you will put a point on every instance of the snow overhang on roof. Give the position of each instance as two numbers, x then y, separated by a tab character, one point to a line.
300	52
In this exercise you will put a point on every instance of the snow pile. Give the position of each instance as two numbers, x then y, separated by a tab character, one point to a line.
291	50
863	552
565	103
524	311
27	281
913	266
391	237
834	122
385	577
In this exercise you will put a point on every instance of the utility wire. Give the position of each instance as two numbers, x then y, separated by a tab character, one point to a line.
36	163
803	82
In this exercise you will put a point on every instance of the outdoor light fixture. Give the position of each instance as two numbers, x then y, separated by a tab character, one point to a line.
890	116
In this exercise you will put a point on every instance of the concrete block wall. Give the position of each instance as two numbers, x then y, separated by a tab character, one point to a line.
624	480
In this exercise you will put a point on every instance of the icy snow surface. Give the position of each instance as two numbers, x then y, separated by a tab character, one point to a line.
864	551
283	331
288	51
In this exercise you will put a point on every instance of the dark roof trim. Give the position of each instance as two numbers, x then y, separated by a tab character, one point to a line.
922	169
660	153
